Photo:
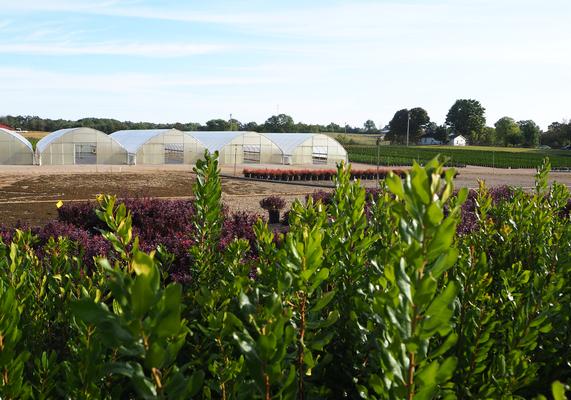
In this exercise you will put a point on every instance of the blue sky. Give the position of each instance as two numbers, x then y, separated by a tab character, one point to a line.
318	61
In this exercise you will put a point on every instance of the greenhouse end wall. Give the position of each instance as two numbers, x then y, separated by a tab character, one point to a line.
81	146
173	147
250	148
308	148
320	149
14	151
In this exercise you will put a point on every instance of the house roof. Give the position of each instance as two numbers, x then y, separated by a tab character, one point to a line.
8	127
19	137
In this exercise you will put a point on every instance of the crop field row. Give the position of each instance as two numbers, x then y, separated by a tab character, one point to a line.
493	157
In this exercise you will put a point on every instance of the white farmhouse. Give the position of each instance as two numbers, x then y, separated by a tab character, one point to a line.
457	141
429	140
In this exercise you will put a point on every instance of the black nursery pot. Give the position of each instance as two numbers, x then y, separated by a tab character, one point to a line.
274	216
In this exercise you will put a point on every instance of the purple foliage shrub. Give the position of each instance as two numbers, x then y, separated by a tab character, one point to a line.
81	215
239	225
567	210
6	234
320	195
155	217
469	220
89	244
167	223
272	203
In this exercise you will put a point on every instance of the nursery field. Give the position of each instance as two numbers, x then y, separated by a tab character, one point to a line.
414	290
495	157
31	199
29	194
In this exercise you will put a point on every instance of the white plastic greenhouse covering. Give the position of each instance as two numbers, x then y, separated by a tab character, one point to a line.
308	148
240	147
160	146
79	146
15	149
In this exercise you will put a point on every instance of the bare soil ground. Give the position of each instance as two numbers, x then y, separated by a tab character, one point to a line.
29	194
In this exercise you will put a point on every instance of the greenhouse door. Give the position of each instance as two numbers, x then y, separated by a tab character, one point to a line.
319	155
251	154
86	153
174	153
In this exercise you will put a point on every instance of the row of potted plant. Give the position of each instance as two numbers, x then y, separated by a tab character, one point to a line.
315	174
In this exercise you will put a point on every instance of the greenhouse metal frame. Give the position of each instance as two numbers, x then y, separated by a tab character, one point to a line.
240	147
172	146
160	146
80	146
308	148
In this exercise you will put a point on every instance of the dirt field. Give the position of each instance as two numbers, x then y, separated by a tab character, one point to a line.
29	194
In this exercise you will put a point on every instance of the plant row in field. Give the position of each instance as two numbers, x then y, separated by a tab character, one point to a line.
315	174
402	155
379	295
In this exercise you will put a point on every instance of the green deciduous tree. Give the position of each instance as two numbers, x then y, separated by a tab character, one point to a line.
369	126
488	136
558	134
508	131
466	117
398	125
438	132
279	123
333	127
530	133
217	125
251	126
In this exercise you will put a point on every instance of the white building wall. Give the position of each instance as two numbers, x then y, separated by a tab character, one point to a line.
458	141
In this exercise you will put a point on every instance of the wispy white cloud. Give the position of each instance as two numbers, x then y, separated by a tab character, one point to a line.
155	50
28	79
350	20
128	9
343	60
89	6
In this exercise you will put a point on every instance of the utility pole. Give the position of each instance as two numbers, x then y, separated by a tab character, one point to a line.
378	148
235	157
231	123
407	127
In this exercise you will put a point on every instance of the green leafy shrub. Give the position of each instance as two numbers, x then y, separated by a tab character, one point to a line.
368	295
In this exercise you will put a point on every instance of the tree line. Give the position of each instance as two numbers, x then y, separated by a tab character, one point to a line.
275	123
466	117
